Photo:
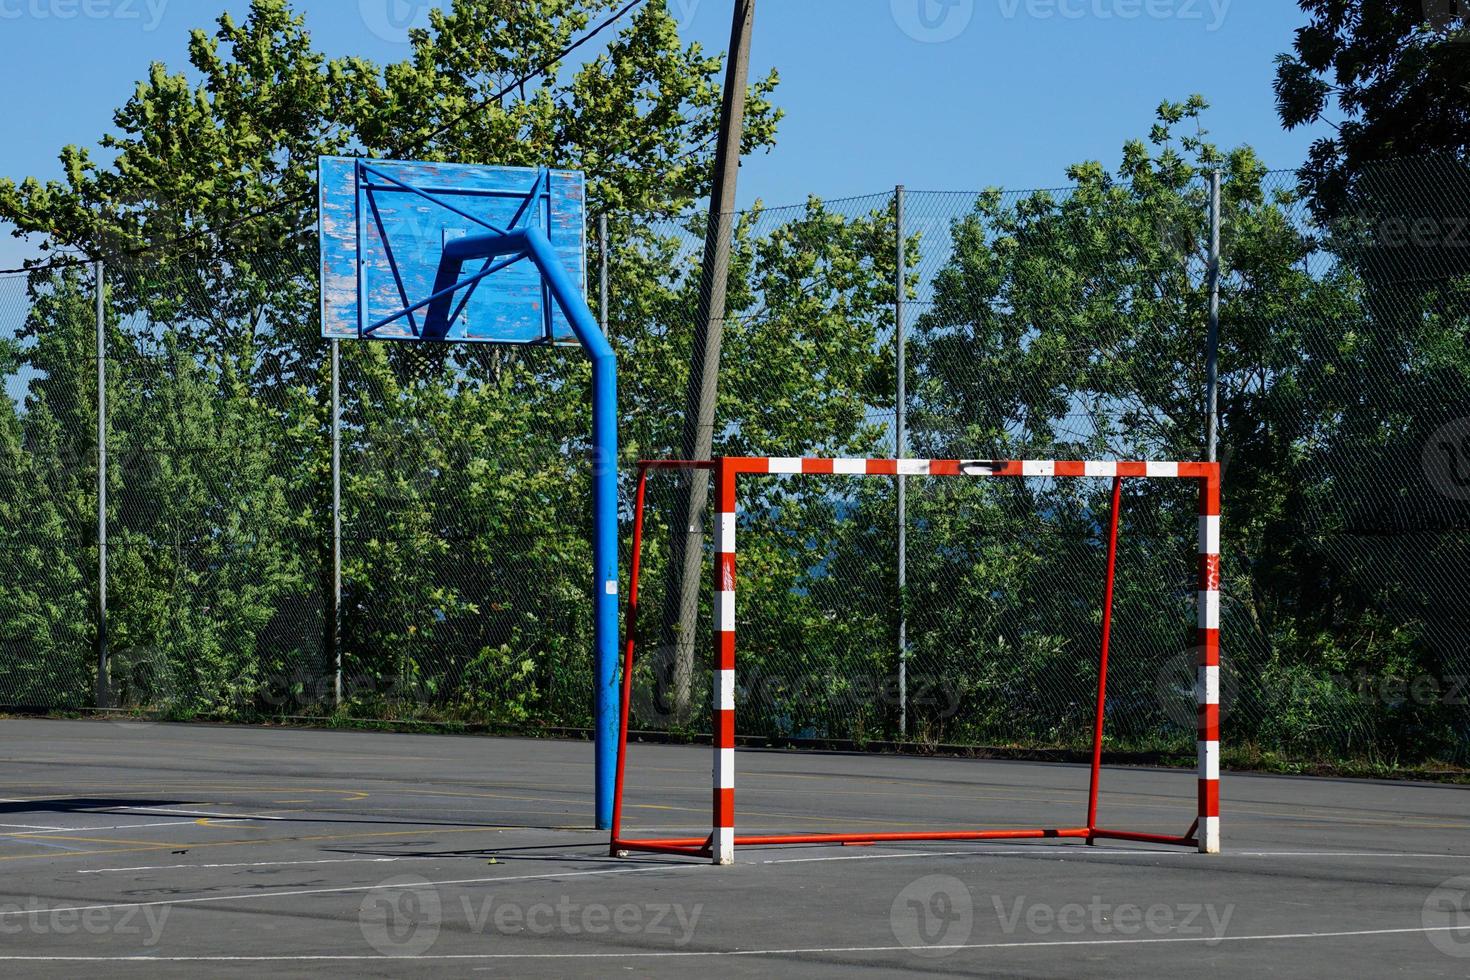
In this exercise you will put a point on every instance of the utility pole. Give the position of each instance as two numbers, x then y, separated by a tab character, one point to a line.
104	676
682	607
900	338
1212	353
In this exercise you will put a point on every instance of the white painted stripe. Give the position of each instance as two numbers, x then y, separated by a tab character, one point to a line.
850	467
725	768
9	913
913	467
253	864
1209	535
1209	938
724	845
1209	843
727	533
724	612
1207	685
784	465
1038	467
1100	469
1162	469
1209	760
725	689
1209	610
611	587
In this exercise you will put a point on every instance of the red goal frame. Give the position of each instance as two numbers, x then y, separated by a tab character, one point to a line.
719	846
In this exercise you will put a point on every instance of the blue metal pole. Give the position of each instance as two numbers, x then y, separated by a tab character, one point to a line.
534	244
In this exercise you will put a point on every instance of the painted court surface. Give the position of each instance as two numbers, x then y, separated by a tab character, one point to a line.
240	852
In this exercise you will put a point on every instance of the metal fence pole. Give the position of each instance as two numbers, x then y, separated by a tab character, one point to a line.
336	624
104	680
1212	355
602	273
900	295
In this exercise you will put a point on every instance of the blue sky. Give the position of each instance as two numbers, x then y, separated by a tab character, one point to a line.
935	94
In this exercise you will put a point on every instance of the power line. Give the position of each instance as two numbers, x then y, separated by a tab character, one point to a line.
417	144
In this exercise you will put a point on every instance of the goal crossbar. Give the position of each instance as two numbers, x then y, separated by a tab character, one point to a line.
719	846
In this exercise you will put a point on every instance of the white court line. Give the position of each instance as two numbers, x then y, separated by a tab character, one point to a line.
794	951
294	893
342	890
26	826
254	864
31	835
1055	850
201	813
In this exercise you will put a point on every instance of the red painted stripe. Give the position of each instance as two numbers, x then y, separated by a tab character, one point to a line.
725	492
1209	499
727	571
1197	471
1010	467
726	650
944	467
1132	469
1209	798
883	467
1209	573
724	729
1209	722
724	808
1069	468
816	466
1208	642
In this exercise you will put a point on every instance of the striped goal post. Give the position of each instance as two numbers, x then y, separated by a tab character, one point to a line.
719	846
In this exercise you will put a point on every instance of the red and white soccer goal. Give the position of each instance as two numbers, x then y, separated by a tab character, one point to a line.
719	846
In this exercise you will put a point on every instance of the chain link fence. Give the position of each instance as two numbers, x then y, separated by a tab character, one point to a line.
1065	323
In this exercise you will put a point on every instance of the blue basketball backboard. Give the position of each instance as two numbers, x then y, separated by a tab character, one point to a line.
383	228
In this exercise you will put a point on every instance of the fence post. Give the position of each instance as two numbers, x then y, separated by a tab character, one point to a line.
900	296
336	612
104	680
1212	355
602	272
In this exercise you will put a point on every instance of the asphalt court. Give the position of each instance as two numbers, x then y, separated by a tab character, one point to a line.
147	850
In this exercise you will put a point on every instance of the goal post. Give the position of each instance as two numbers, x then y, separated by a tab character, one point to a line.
719	846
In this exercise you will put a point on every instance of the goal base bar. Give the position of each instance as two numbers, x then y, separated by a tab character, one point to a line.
702	847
